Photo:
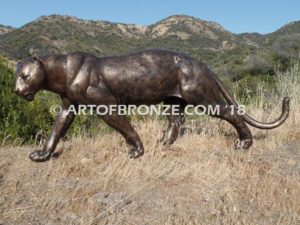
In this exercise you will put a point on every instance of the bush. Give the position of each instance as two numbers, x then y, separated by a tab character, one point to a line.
255	64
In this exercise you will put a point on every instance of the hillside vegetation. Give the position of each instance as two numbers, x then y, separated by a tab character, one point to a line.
233	56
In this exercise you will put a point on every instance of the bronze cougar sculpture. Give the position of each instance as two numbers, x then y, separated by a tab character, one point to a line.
146	77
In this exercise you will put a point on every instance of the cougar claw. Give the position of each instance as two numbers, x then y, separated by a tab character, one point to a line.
135	153
245	144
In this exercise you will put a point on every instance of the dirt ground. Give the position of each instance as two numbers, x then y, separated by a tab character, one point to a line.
201	179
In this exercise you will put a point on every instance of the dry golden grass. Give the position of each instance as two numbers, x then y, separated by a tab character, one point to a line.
200	179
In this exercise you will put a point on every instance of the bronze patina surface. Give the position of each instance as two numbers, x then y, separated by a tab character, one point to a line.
146	77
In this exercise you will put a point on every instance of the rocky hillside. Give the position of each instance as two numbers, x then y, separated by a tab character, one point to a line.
63	33
224	51
5	29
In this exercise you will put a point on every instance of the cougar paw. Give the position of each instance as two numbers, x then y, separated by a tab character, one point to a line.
168	141
40	155
136	152
244	143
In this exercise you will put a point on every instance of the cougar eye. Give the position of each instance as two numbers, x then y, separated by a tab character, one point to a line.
24	77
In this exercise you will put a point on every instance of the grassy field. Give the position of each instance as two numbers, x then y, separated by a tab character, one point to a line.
200	179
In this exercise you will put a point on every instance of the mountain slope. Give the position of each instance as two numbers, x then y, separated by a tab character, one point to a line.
5	29
62	34
224	51
286	41
59	34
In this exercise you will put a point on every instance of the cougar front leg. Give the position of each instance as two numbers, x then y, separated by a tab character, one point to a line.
59	129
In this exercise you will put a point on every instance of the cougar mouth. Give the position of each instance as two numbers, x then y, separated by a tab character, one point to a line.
29	96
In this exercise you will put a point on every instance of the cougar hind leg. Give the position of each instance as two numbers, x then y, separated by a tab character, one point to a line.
175	120
236	120
206	93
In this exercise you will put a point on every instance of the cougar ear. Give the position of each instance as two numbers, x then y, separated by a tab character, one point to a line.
36	59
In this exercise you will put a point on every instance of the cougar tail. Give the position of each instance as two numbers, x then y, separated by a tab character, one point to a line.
271	125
